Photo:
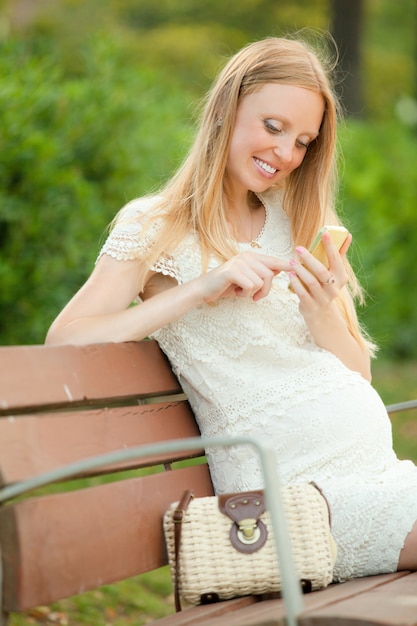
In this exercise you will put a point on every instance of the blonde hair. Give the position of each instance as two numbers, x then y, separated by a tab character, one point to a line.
194	198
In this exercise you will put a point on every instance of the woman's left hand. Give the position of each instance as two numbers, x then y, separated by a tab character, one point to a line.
314	284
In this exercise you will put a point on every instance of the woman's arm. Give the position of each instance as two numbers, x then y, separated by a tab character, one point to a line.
310	281
330	332
101	311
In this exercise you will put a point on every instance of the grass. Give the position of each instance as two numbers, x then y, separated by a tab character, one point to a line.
143	599
133	602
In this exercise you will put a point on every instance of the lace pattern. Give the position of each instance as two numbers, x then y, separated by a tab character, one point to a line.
381	511
126	241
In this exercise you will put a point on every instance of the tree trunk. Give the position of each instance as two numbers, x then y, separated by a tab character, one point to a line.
346	28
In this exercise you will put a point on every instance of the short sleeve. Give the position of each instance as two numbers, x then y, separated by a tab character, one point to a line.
125	241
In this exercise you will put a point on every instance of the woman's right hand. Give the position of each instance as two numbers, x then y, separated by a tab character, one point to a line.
247	275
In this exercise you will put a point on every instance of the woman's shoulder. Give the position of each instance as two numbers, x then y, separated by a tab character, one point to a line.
125	241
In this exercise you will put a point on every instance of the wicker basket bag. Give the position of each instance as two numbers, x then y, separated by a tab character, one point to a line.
221	547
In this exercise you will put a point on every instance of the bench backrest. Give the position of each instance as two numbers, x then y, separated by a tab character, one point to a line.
62	404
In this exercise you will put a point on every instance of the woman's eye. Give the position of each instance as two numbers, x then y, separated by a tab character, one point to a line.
271	127
303	144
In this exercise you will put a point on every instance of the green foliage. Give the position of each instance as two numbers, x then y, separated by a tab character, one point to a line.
389	61
397	382
74	149
257	17
194	53
95	108
133	602
378	200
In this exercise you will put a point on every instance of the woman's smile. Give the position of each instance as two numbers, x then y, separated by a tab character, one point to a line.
265	167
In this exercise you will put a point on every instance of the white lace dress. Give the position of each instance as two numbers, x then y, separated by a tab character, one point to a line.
253	368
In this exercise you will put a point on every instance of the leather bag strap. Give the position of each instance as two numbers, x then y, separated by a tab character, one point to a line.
248	533
178	518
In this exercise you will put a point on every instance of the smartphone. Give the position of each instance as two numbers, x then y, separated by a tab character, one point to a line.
338	234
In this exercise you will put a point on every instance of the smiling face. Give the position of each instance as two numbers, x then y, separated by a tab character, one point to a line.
273	129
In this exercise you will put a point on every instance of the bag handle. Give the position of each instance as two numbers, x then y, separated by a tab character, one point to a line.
178	518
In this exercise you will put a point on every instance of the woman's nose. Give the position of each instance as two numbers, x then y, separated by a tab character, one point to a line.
284	151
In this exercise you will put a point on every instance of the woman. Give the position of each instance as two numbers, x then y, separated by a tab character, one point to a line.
263	336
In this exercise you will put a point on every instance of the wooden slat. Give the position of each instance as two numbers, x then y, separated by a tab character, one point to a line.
213	614
33	377
53	440
60	545
327	607
393	603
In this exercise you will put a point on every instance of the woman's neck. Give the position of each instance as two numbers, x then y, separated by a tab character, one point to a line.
246	217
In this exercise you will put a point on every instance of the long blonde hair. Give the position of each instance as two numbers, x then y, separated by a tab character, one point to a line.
194	199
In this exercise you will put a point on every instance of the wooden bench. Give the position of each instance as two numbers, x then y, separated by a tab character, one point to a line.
59	405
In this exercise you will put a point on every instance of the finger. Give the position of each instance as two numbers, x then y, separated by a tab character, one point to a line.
334	253
298	286
275	264
330	282
247	288
313	266
249	280
321	285
346	245
261	279
266	287
268	271
309	270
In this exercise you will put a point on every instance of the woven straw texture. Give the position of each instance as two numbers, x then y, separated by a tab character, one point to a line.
210	564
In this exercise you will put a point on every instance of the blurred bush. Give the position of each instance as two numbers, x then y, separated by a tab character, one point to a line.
378	201
74	149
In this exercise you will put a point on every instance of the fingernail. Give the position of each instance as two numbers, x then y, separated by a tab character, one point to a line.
299	249
293	262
